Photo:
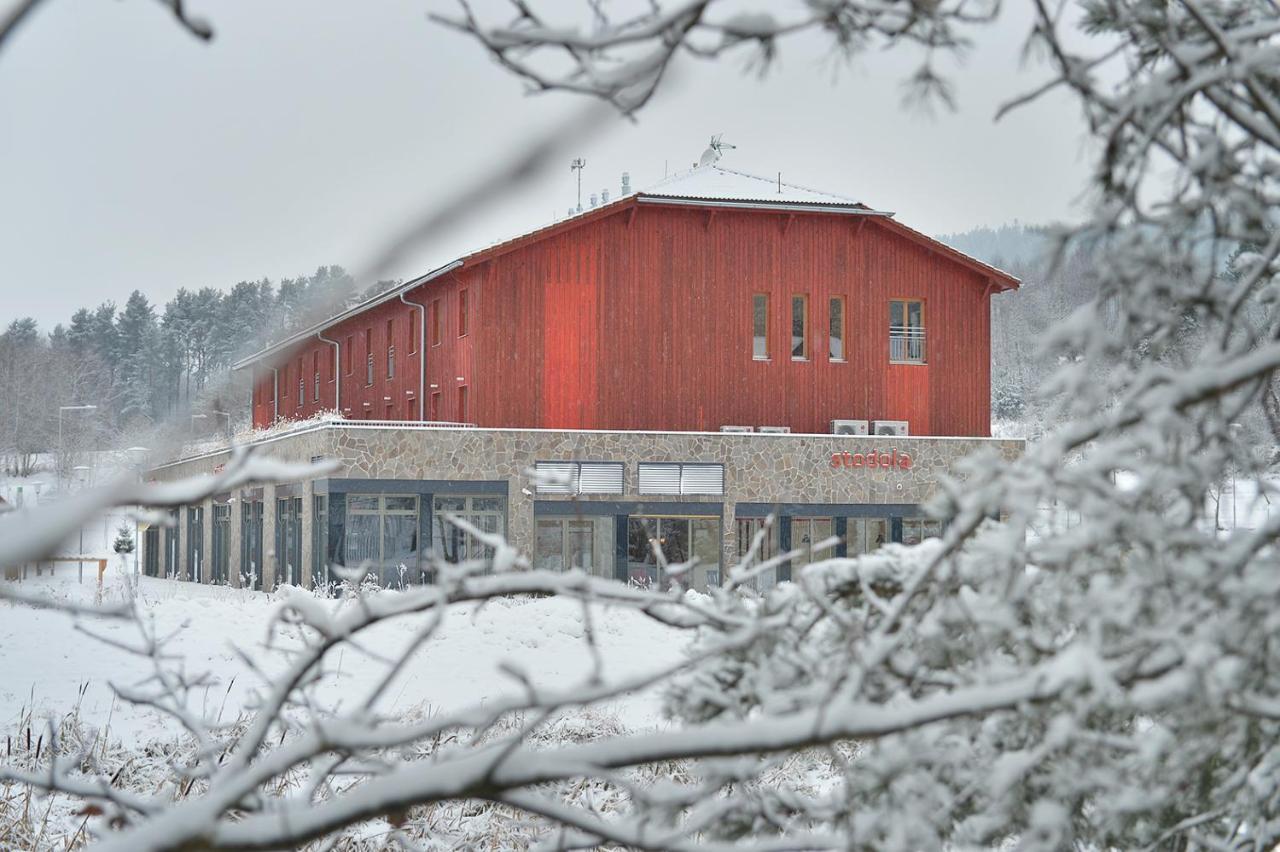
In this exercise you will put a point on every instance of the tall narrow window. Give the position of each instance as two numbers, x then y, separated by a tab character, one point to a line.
760	327
315	371
799	328
906	331
463	312
348	360
835	339
462	404
391	351
368	356
413	332
435	322
302	384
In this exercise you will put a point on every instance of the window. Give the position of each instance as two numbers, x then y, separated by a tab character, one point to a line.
320	541
462	404
799	328
288	541
348	361
391	351
906	331
916	530
463	313
578	477
382	534
748	529
679	540
251	543
315	371
806	536
835	339
433	413
454	544
221	544
578	543
672	478
435	322
195	544
302	384
368	356
413	332
864	535
760	327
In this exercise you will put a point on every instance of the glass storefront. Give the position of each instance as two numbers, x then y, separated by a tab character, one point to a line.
382	536
195	543
289	540
221	542
679	540
251	544
319	541
864	535
577	543
807	536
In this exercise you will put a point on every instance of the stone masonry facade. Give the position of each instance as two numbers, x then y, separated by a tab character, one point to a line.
758	468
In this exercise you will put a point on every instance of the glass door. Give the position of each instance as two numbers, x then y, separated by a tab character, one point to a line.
679	540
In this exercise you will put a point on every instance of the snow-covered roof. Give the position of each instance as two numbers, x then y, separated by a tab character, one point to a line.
716	182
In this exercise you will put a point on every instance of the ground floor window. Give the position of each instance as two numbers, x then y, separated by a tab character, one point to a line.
151	552
171	552
679	540
221	544
864	535
584	544
382	535
916	530
454	544
748	529
289	540
319	541
195	543
251	544
808	536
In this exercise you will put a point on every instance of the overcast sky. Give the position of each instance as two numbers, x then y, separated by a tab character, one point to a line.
134	156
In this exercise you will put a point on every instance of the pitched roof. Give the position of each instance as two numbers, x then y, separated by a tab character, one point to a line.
705	185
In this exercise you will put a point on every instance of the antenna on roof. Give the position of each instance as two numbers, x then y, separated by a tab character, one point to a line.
577	166
714	151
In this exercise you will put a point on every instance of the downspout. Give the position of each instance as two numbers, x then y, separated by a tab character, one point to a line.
422	353
275	395
337	377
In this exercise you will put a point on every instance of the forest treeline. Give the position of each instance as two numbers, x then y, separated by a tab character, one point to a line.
143	365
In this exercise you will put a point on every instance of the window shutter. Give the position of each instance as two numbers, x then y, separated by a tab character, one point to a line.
556	477
702	479
600	478
659	478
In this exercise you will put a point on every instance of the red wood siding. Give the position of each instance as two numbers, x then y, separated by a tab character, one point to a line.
641	318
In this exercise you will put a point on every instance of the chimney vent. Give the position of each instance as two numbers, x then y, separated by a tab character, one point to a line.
604	196
626	183
593	201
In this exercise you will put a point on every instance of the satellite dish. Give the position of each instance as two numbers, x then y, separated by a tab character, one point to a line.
713	153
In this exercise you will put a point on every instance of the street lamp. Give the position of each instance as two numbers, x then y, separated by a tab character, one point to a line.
61	451
1235	430
80	470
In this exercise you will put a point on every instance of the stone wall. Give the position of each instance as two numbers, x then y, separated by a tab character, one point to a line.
759	468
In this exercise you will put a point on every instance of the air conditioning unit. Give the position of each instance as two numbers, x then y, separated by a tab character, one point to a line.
776	430
889	427
737	428
849	427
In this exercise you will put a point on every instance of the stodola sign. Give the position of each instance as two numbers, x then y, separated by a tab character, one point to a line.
892	460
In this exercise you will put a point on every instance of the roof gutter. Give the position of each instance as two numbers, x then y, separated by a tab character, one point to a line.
422	351
348	313
337	377
814	207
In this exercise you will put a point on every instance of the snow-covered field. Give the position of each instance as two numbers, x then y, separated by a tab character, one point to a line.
53	669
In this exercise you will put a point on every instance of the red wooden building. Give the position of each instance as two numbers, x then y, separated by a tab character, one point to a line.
712	299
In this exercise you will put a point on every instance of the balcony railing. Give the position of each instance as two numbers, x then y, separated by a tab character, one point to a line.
906	344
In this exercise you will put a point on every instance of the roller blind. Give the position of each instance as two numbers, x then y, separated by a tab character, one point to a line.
659	478
702	479
579	477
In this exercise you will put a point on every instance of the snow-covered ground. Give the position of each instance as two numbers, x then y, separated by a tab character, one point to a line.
48	660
